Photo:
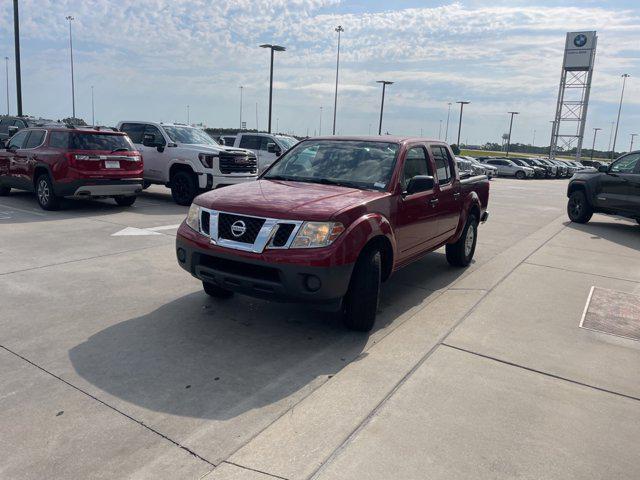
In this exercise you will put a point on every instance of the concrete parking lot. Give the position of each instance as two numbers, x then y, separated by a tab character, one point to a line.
115	364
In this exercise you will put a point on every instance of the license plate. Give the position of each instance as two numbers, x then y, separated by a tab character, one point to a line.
111	164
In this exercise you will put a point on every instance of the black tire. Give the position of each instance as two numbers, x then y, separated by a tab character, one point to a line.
184	188
125	200
460	254
47	199
578	208
520	175
215	291
4	191
360	304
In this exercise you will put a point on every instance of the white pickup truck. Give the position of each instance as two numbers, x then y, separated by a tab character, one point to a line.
187	160
266	146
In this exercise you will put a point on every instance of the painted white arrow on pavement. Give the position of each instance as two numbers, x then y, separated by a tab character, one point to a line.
133	231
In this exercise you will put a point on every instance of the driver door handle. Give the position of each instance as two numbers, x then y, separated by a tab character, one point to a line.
456	195
433	202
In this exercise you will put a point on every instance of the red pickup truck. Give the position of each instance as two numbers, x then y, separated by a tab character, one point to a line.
331	219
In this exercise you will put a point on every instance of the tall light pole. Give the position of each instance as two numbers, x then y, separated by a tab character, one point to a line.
384	87
188	116
276	48
6	64
462	104
610	136
93	110
16	45
446	130
440	130
510	129
593	145
73	87
320	128
241	88
633	135
338	29
615	135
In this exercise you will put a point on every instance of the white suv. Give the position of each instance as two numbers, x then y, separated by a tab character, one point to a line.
266	146
187	159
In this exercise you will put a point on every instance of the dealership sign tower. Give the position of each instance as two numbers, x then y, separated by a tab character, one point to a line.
573	95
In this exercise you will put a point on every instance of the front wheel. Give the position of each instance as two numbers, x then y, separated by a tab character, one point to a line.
184	188
578	208
47	199
360	304
460	254
520	175
125	201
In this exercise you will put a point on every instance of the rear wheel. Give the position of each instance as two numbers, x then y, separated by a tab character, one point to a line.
47	199
125	200
520	175
361	301
460	254
4	191
578	208
184	188
215	291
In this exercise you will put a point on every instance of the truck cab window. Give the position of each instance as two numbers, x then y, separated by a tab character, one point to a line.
416	163
252	142
626	164
134	130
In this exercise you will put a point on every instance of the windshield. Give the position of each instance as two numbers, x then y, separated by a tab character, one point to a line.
190	135
359	164
287	142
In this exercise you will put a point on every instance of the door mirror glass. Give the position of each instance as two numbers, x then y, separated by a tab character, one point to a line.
273	148
420	183
603	168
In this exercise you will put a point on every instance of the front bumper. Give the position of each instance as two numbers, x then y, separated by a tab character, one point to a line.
99	188
283	282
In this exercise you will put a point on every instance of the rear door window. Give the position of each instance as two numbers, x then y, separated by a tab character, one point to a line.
17	141
443	164
158	138
252	142
98	141
35	139
134	130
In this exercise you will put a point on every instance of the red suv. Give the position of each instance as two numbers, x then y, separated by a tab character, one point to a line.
56	162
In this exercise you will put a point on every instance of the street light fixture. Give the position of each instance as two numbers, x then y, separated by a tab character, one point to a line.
73	88
510	129
593	145
462	104
276	48
384	87
338	29
615	136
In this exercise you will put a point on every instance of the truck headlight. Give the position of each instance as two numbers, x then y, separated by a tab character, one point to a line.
193	217
317	234
206	159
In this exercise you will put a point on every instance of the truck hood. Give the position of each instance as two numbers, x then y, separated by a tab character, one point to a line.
210	149
286	200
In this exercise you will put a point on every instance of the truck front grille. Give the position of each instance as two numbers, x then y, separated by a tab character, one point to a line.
239	228
237	162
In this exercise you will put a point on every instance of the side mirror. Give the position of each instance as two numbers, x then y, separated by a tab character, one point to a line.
420	183
273	148
603	168
148	140
12	130
465	174
221	141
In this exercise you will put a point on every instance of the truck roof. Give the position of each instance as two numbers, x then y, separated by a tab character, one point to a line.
380	138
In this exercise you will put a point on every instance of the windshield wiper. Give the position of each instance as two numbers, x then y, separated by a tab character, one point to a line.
326	181
281	177
121	149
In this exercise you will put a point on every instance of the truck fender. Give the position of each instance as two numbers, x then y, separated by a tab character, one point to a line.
470	202
362	231
582	185
183	163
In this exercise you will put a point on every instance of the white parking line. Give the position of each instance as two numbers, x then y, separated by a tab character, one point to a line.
133	231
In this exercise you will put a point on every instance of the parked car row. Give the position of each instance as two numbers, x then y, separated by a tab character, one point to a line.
56	160
523	167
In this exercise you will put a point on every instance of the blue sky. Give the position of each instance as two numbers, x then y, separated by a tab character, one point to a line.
148	59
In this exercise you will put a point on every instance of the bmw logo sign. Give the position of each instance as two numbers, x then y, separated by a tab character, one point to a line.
580	40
